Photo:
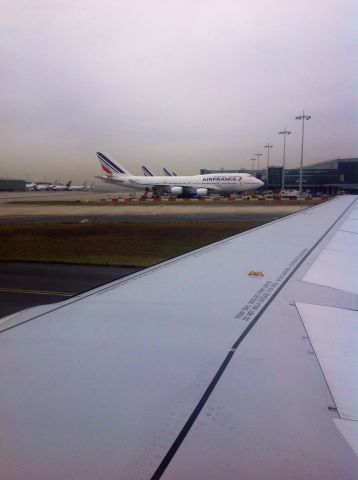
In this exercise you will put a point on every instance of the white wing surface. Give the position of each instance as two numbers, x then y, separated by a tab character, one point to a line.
218	364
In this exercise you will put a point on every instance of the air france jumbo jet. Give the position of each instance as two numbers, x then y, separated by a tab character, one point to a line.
200	185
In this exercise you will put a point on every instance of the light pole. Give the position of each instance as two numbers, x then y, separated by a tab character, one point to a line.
268	146
253	160
258	155
284	133
302	117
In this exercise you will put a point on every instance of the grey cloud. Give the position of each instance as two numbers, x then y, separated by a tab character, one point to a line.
196	84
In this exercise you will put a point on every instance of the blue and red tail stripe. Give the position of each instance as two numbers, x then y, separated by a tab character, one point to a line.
147	172
109	172
108	166
167	173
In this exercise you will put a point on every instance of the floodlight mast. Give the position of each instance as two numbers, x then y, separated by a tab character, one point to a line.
284	133
302	117
268	146
253	160
258	155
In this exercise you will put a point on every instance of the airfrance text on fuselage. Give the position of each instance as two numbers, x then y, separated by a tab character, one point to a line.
221	179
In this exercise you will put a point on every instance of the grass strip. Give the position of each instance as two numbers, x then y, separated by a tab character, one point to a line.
116	243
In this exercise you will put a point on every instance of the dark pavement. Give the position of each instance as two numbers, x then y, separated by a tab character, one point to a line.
176	217
24	285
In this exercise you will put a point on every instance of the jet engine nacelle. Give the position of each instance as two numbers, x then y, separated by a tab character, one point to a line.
201	192
176	190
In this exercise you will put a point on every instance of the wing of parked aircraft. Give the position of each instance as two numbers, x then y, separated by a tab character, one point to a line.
235	361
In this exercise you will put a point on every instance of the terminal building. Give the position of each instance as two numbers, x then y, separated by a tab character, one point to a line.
12	185
328	177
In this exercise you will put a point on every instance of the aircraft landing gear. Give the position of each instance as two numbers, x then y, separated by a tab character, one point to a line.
145	194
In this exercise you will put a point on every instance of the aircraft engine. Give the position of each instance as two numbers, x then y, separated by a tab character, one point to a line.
201	192
176	190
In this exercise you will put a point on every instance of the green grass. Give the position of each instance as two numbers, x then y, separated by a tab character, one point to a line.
124	243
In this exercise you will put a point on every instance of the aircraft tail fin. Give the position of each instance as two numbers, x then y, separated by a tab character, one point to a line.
167	173
110	166
147	172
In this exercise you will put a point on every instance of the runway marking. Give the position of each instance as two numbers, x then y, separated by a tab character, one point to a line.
37	292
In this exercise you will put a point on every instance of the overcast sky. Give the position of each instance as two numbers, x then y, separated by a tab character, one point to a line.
176	83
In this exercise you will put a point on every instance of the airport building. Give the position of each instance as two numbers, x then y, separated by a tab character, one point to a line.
12	185
328	177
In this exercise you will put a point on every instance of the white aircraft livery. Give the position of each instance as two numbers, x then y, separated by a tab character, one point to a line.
36	187
237	361
59	188
82	187
200	185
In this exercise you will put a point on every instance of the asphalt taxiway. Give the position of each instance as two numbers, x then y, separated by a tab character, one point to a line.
24	285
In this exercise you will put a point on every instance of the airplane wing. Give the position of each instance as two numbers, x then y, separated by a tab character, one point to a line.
238	360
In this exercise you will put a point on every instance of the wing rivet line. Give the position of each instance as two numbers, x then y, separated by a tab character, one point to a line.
255	274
